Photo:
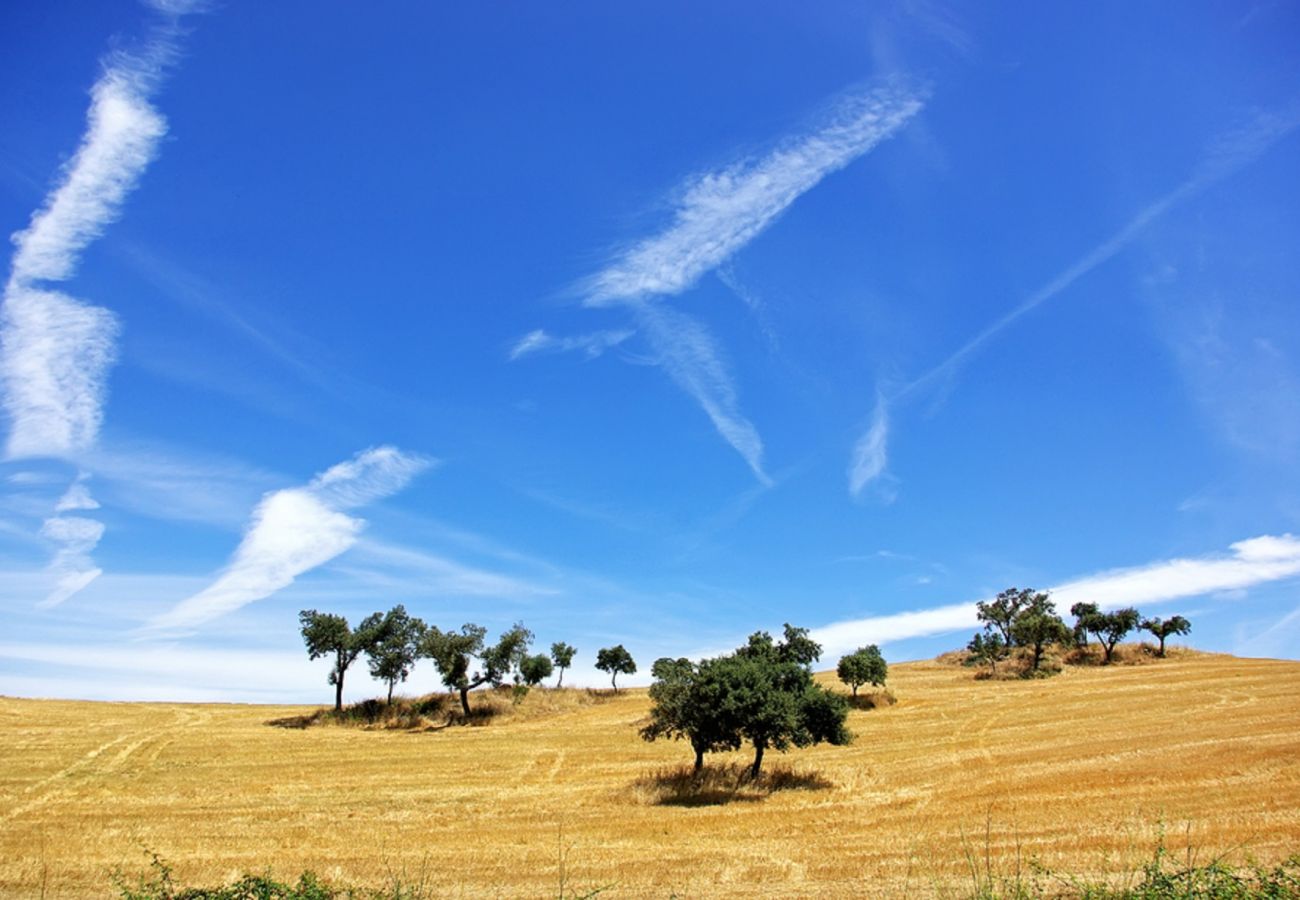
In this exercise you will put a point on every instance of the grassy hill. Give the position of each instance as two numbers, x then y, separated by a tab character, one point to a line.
959	781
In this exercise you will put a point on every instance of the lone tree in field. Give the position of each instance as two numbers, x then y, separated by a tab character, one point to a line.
396	647
533	669
1037	625
1110	628
1083	613
863	666
562	656
452	652
987	648
1000	613
617	661
326	633
686	707
1163	628
765	690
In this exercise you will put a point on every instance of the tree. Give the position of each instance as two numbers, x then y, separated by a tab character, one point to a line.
1163	628
617	661
396	647
863	666
987	647
562	656
1110	628
533	669
452	652
1083	614
686	706
1037	625
1001	612
326	633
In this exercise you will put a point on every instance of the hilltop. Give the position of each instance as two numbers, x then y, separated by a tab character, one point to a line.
1079	772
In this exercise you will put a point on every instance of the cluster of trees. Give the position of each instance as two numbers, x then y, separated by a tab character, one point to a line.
395	640
762	693
1023	617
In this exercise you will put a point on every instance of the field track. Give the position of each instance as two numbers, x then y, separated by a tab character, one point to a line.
1080	772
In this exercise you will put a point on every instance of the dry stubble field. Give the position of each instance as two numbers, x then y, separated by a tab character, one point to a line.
1078	771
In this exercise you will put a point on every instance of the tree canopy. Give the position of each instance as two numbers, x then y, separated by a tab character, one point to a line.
452	654
395	648
1000	613
1163	628
863	666
562	656
1108	627
616	661
1036	625
534	669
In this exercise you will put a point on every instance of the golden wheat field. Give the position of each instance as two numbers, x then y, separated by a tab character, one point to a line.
1079	772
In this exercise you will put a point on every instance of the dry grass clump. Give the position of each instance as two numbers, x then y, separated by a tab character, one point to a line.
722	783
873	700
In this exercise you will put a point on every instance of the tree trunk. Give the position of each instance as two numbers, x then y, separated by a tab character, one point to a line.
338	693
855	691
1108	648
614	681
1038	655
758	761
390	693
699	759
1162	646
464	701
560	681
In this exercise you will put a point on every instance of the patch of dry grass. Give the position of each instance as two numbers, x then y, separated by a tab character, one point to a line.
1077	772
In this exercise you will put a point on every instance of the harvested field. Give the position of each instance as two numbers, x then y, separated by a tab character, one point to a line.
1079	772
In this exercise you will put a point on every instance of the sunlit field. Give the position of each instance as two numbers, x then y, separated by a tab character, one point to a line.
960	780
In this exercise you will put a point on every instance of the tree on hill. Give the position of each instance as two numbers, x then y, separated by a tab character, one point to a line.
616	661
1110	628
396	647
1083	613
686	706
987	648
452	653
1037	625
562	656
863	666
534	669
326	633
1000	613
1163	628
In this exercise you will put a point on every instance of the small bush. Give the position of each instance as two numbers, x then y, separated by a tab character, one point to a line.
874	700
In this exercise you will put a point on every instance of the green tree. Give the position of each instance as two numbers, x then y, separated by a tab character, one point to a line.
1110	628
1037	625
562	656
396	647
863	666
533	669
452	654
326	633
768	695
987	648
686	706
1000	613
1163	628
617	661
1083	614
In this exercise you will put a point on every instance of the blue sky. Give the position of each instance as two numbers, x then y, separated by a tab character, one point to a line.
641	323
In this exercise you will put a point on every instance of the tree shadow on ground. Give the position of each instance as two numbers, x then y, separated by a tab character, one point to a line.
718	785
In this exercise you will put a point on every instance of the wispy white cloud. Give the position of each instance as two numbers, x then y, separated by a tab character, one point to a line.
870	454
591	345
438	574
690	356
1229	153
76	497
719	212
295	530
1250	562
71	567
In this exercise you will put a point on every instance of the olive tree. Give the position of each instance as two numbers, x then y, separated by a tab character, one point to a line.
863	666
1110	628
396	647
1163	628
616	661
987	648
1037	625
1000	613
327	633
533	669
1083	613
453	652
562	656
686	707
